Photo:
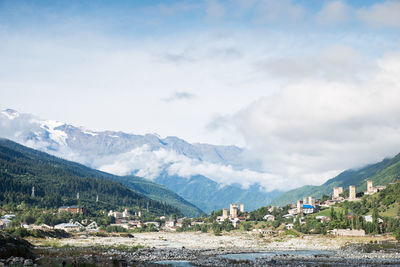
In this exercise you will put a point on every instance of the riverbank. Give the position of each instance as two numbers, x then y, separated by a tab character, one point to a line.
205	249
195	240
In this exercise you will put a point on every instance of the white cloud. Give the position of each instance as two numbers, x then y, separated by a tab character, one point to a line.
334	12
384	14
150	164
314	128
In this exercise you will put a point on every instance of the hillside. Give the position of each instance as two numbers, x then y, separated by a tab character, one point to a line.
160	193
209	195
58	181
381	173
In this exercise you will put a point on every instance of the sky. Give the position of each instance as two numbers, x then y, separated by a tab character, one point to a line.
309	88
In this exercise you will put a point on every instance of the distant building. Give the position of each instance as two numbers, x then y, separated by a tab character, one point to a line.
299	207
71	209
368	218
372	190
233	210
269	218
311	201
352	193
115	214
308	209
289	226
242	207
225	213
347	232
337	191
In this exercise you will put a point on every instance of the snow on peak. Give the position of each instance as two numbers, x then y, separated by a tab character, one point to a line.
10	113
56	135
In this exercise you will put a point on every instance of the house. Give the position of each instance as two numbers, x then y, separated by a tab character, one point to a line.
136	224
235	222
292	211
347	232
68	226
221	219
156	224
289	226
308	209
9	217
288	216
368	218
269	218
115	214
71	209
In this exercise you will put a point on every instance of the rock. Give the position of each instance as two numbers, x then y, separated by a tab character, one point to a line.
28	262
15	247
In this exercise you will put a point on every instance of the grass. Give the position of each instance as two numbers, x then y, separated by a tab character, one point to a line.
391	211
327	211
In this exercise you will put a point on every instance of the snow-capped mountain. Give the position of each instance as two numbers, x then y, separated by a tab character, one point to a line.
148	156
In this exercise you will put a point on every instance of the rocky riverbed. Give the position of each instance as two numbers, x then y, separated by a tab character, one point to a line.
203	249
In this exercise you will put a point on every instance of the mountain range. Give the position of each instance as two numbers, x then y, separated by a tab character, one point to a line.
193	171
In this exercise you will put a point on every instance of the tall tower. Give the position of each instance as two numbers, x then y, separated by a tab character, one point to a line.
311	201
97	198
299	207
77	195
242	207
225	213
369	186
304	200
352	192
233	210
33	191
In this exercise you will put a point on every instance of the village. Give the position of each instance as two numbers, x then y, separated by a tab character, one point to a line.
274	218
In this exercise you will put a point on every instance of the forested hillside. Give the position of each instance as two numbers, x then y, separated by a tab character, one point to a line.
382	173
57	182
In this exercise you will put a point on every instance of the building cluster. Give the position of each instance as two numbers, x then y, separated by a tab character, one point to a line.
72	209
337	196
233	215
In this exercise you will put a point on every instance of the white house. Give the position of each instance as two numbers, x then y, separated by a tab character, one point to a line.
308	209
269	218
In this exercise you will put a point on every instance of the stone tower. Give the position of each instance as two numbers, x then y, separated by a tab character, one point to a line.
225	213
304	200
337	191
242	207
370	188
352	192
311	201
233	210
299	207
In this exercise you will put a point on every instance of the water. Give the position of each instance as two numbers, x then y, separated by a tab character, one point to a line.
268	254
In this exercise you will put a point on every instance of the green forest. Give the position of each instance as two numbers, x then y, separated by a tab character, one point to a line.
57	182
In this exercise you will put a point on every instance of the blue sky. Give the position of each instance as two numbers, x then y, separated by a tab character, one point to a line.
272	76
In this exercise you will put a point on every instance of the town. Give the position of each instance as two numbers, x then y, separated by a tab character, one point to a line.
345	213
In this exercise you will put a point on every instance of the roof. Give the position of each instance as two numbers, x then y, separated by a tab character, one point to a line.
70	207
308	207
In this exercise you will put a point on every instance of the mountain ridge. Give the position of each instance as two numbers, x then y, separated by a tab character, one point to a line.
381	173
147	156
